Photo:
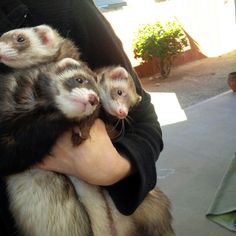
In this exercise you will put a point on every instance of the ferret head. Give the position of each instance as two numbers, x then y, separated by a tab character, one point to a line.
117	91
77	92
26	47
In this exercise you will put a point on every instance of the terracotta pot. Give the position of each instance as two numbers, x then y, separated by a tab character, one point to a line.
232	80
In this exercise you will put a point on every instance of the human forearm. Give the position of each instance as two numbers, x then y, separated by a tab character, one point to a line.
95	161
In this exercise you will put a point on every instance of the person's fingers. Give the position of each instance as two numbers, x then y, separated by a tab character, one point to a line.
47	163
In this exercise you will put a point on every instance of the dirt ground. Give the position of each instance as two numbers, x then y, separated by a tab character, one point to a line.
195	81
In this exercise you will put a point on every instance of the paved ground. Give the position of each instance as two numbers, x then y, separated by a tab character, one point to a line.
197	153
197	112
195	81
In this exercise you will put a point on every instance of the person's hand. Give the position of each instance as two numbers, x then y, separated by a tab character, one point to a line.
95	161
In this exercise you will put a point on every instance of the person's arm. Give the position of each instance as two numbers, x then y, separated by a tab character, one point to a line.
142	141
95	161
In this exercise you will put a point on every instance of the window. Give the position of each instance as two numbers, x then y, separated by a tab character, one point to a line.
110	4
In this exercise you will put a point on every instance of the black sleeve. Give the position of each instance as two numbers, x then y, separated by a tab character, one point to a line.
142	143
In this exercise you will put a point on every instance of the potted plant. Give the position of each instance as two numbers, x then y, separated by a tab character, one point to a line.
162	41
232	80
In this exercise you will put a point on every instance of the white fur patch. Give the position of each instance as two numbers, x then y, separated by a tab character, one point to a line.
40	48
96	206
66	74
41	206
37	52
75	104
7	51
62	63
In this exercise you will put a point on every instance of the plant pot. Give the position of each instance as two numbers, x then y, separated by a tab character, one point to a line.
232	80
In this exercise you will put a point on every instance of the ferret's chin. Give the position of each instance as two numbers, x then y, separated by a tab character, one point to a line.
16	64
6	61
83	107
114	112
121	117
78	111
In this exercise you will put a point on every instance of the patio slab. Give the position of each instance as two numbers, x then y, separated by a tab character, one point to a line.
197	152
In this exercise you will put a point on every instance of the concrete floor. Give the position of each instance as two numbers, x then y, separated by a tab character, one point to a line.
198	150
196	81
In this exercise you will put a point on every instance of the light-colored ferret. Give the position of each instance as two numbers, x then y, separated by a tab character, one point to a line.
33	46
115	83
117	91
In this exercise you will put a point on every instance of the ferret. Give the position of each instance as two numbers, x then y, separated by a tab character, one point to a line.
39	99
85	192
34	46
117	91
36	107
118	96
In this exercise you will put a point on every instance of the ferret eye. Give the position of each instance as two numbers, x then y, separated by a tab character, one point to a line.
119	92
79	80
20	39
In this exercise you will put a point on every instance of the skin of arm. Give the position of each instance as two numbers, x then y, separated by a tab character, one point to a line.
95	161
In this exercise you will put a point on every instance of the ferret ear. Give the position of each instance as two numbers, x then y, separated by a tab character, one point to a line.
139	99
118	73
68	62
45	33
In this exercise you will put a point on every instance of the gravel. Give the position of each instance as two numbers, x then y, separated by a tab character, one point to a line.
196	81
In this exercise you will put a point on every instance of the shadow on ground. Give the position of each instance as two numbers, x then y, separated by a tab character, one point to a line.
195	81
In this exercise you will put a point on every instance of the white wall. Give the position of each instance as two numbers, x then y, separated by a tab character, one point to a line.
211	23
126	20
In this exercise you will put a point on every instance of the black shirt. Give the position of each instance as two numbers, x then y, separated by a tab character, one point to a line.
81	21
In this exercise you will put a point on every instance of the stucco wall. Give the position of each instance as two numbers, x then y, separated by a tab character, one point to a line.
211	23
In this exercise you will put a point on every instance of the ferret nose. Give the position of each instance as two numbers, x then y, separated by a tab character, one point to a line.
93	99
122	114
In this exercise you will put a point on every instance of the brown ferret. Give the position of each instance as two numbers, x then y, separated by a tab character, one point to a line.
90	219
36	107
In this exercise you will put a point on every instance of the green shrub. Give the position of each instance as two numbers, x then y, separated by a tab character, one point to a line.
163	41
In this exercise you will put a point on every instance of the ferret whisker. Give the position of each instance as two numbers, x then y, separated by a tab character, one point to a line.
117	123
114	126
113	131
120	131
123	125
128	119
